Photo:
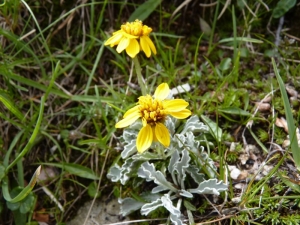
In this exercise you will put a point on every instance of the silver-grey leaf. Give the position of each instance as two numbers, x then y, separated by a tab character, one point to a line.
149	207
148	172
181	166
193	124
194	172
176	220
129	149
168	204
211	186
129	205
172	165
114	173
186	194
129	135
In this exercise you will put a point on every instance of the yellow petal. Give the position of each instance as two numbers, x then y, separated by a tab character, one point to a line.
133	48
123	44
128	120
130	36
133	109
150	44
144	121
181	114
114	40
175	105
145	46
162	91
144	138
154	137
162	134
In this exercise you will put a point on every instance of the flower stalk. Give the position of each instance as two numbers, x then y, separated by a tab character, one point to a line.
140	78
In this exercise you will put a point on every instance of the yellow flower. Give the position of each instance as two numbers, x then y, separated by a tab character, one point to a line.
153	112
126	38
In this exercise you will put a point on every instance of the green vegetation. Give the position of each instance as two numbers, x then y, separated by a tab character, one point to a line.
62	91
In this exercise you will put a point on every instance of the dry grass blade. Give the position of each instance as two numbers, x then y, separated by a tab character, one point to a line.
186	2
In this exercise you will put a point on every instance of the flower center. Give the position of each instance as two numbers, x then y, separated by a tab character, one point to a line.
152	110
136	28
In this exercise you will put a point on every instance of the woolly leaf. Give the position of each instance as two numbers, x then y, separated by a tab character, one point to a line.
148	172
167	203
172	168
193	124
194	172
129	149
129	135
180	140
211	186
176	220
145	156
186	194
170	124
181	166
114	173
149	207
129	169
158	189
129	205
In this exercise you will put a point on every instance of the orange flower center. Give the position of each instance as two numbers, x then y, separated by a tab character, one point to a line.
136	28
152	110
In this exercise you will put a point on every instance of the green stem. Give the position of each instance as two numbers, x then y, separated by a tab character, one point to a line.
139	75
160	150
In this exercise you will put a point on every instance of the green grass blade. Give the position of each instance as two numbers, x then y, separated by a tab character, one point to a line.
258	141
24	192
59	93
289	118
92	73
33	136
144	10
10	106
75	169
214	129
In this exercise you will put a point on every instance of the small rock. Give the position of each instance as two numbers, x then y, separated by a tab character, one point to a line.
234	172
236	200
103	212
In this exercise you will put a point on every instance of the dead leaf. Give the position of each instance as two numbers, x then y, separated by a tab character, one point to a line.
41	216
262	107
282	123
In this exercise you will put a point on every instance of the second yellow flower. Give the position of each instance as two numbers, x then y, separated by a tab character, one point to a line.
126	38
153	112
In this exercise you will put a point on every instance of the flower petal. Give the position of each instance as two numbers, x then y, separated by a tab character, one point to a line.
128	120
123	44
133	109
144	138
114	40
145	46
181	114
130	36
150	44
162	91
175	105
133	48
162	134
144	122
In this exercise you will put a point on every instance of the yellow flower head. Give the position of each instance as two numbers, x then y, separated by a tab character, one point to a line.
127	38
153	112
